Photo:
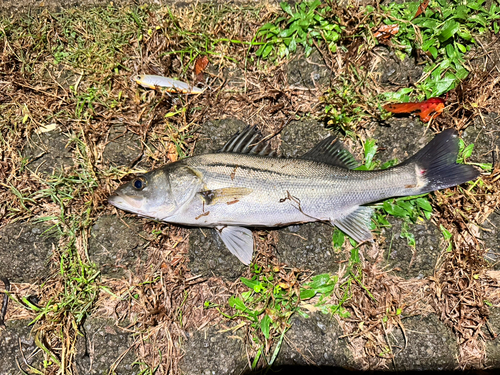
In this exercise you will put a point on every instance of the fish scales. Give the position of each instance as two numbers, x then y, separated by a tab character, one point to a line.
286	191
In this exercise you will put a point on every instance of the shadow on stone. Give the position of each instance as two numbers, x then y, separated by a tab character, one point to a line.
214	134
402	139
308	72
309	246
299	137
209	256
431	345
391	70
490	234
315	341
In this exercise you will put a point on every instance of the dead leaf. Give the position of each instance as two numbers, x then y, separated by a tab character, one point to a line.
199	67
385	32
421	8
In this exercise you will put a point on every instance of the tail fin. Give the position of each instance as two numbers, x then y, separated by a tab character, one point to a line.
437	162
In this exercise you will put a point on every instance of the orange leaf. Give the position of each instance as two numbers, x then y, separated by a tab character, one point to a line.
421	8
386	32
428	109
200	65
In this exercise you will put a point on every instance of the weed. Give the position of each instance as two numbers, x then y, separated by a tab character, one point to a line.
311	23
443	35
273	298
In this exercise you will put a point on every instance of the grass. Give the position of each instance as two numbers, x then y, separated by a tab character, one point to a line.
71	71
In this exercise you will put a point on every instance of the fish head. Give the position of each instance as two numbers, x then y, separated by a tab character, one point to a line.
146	195
158	194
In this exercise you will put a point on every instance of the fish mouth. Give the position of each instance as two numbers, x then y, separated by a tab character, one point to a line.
125	203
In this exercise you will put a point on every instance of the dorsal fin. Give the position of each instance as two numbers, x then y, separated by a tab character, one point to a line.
331	151
248	141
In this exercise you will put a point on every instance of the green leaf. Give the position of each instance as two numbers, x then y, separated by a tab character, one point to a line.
427	44
286	7
406	205
306	293
370	150
249	283
382	221
267	51
461	12
410	238
450	51
394	210
308	50
267	26
433	51
461	47
464	33
333	47
236	303
443	85
477	18
265	325
424	204
467	152
449	29
338	238
260	50
389	164
322	283
287	32
447	235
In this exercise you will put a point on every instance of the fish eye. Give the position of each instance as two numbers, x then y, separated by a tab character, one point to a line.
139	183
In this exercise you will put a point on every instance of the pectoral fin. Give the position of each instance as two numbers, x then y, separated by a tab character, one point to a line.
238	240
356	224
228	195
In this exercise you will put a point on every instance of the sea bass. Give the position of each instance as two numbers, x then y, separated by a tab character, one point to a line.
243	186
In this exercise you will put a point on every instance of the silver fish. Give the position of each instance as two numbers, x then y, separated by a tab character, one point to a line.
166	84
243	186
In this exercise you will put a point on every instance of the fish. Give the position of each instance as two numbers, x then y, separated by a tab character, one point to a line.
244	186
429	108
166	84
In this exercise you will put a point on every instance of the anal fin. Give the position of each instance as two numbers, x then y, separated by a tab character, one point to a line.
356	223
238	240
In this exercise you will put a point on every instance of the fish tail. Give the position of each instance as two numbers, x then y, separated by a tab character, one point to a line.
436	164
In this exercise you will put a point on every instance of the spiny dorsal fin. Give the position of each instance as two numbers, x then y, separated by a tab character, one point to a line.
248	141
331	151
